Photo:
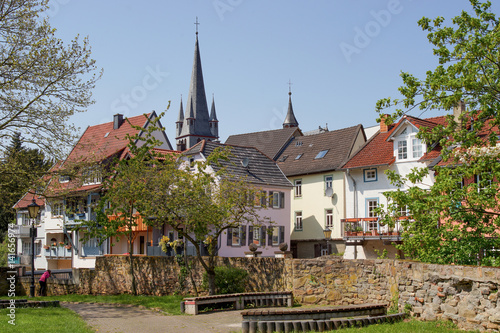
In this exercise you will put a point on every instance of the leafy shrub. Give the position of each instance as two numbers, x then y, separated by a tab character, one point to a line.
228	280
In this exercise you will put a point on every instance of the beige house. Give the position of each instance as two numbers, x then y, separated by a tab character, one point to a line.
312	164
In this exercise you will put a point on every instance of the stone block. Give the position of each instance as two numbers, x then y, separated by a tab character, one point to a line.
448	309
466	313
495	319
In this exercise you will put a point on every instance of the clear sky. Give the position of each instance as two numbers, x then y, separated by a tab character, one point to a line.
341	56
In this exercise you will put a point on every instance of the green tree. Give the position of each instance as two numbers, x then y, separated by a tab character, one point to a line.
201	202
457	220
20	168
124	185
43	81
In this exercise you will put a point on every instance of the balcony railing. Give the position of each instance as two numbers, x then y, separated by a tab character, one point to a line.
20	230
369	228
57	252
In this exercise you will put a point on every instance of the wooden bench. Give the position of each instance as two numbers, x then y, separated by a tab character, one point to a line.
315	319
278	298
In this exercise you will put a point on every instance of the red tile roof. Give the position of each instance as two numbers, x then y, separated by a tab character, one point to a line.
102	141
379	151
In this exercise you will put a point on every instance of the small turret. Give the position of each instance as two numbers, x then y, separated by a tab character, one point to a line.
214	123
290	120
180	120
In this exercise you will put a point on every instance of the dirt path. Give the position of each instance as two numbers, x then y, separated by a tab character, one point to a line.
109	318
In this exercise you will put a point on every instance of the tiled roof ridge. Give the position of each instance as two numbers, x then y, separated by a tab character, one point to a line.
239	146
367	142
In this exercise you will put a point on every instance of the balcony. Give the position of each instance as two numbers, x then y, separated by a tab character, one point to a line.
20	231
369	228
57	252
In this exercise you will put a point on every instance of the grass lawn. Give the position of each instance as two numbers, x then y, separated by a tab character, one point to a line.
412	325
170	304
35	320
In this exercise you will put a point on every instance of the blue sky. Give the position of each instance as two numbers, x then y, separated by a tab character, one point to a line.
341	56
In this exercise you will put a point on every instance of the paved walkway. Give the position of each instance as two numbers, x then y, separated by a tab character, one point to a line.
109	318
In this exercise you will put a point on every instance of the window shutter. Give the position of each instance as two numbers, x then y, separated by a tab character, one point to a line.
282	234
282	199
250	234
229	237
270	236
263	236
271	195
243	239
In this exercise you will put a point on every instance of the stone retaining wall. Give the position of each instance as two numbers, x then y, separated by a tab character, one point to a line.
468	295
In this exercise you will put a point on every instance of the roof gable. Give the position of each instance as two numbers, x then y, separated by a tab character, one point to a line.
260	170
319	152
271	143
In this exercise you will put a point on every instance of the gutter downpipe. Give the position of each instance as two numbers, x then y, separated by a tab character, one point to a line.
355	197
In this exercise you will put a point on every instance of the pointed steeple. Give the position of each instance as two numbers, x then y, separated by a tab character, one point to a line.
180	120
290	120
214	123
197	123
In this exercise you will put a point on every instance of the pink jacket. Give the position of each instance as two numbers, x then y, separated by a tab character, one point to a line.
45	275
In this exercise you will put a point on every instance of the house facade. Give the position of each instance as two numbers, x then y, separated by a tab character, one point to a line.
395	148
263	174
312	164
69	199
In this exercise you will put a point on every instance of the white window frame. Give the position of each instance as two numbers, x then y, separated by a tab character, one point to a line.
329	218
328	182
370	175
298	221
417	147
402	149
276	236
370	207
297	188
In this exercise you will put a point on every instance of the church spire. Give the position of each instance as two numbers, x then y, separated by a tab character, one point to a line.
290	120
196	123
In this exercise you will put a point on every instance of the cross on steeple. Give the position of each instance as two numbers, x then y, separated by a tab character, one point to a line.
289	87
197	24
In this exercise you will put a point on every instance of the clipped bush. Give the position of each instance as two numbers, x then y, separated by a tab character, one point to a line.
228	280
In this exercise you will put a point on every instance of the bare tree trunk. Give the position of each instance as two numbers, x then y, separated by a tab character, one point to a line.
130	249
186	262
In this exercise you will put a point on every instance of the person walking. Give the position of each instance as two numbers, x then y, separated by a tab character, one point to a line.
43	282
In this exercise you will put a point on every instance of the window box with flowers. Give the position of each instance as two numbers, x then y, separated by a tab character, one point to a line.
67	247
46	247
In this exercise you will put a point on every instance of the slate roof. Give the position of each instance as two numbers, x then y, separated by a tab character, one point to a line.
261	169
339	145
379	151
271	143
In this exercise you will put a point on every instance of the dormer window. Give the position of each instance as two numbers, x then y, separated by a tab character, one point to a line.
64	179
92	175
402	150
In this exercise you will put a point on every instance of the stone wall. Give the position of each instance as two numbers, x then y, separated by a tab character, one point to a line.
465	294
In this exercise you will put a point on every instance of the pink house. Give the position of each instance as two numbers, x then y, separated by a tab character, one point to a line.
263	173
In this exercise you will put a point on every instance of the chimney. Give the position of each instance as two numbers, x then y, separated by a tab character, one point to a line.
458	110
383	126
117	121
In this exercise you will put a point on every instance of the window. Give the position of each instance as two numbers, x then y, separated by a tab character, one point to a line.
370	175
298	221
24	219
298	156
263	198
417	148
402	210
77	205
64	179
57	209
371	205
321	154
256	236
236	237
275	237
298	188
328	182
329	218
402	150
276	199
283	159
27	248
482	182
92	175
298	143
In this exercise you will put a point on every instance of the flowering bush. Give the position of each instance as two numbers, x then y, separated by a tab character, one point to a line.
177	243
61	243
164	243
